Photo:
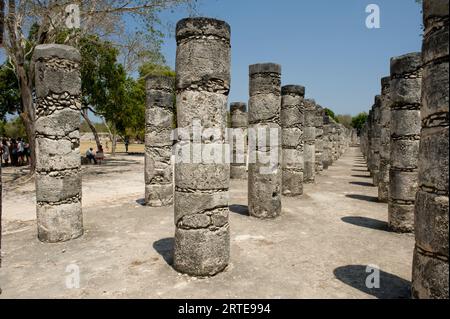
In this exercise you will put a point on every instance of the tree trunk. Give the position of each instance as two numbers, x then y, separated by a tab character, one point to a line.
28	115
114	144
85	115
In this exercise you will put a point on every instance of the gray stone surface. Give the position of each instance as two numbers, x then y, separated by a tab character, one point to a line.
239	145
265	179
320	112
159	120
406	77
292	124
309	138
430	278
202	239
327	142
58	164
385	141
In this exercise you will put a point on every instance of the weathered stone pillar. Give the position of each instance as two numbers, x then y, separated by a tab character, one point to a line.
430	265
319	139
159	122
202	234
239	124
58	161
265	171
334	145
309	136
406	77
327	142
370	151
376	140
385	141
292	123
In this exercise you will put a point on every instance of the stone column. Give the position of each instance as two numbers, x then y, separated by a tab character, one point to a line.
292	122
385	141
406	79
430	264
265	178
239	124
202	234
327	142
319	139
58	161
334	143
309	137
376	139
159	122
370	152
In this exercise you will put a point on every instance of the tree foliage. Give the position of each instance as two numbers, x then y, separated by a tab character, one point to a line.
331	114
359	121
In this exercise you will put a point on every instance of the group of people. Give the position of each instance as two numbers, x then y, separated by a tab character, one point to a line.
14	152
95	157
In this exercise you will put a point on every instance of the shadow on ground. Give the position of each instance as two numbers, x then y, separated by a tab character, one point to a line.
141	201
362	184
239	209
390	286
366	222
164	247
361	176
362	197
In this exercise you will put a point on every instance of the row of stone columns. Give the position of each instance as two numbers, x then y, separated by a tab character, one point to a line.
187	167
413	130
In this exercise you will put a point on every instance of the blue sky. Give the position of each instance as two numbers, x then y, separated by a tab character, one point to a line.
321	44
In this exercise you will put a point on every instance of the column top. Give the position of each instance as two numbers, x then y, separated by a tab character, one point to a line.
406	63
434	9
202	26
155	82
293	89
238	106
385	82
57	51
264	68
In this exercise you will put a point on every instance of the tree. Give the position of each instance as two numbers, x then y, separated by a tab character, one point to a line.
331	114
359	121
345	120
105	18
9	92
98	71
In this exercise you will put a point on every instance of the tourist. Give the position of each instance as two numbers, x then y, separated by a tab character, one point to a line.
90	155
127	142
4	150
13	152
20	151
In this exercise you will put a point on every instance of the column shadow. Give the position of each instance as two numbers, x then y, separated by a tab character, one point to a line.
362	197
361	176
239	209
165	247
362	184
391	286
141	201
366	222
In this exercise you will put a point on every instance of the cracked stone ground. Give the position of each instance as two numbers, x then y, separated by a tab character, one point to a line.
318	248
